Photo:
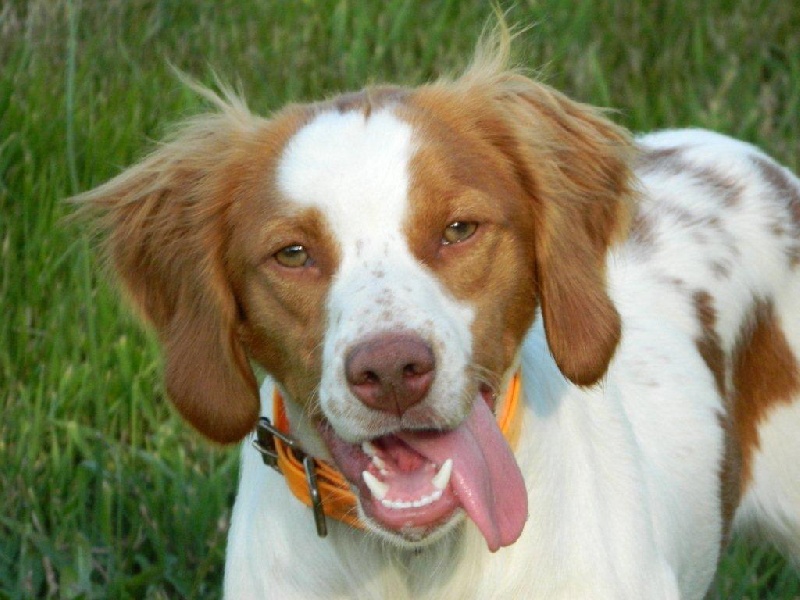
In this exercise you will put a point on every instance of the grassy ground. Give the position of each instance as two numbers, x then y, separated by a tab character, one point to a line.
104	492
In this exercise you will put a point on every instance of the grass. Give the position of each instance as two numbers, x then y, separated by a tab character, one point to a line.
105	493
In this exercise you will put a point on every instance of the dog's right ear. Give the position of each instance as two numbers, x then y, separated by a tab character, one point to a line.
163	228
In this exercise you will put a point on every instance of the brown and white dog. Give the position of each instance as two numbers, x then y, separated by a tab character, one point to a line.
392	257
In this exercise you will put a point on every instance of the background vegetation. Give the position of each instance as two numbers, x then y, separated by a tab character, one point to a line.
103	492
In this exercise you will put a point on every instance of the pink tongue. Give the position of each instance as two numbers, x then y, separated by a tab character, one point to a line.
485	476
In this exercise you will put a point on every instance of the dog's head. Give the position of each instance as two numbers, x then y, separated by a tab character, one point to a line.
382	256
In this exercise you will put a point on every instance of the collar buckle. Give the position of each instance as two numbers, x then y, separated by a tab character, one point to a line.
266	442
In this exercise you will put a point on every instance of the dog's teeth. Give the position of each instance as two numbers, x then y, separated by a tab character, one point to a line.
379	462
425	500
442	478
419	503
377	488
369	449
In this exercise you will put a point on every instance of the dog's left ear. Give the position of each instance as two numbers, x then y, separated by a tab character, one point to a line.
164	231
574	166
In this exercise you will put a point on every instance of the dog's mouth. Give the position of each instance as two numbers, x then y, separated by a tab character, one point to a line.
413	483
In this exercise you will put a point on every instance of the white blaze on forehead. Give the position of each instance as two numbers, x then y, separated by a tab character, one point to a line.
354	169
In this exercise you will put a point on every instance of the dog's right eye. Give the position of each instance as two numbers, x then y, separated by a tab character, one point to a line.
294	256
459	231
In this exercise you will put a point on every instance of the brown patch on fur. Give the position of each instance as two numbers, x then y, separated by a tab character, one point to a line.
779	180
710	348
778	229
672	160
708	344
788	190
551	179
722	270
676	282
643	231
680	214
727	189
653	158
793	254
765	374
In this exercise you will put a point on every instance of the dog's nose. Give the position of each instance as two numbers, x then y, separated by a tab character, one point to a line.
391	372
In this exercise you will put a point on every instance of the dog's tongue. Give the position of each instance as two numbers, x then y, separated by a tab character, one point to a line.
485	476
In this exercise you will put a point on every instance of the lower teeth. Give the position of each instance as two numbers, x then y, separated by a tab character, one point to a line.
379	489
424	501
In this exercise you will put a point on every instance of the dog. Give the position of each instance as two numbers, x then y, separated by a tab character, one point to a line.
397	260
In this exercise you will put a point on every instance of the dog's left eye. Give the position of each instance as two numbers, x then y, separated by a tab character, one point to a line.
459	231
294	256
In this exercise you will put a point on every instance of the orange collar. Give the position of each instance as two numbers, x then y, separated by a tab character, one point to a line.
319	485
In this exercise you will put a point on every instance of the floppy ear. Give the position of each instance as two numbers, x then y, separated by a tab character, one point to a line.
163	223
574	166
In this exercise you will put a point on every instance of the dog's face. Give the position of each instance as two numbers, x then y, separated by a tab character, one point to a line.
397	239
382	256
394	241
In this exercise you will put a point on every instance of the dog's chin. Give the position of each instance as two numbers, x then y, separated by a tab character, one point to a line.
413	537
